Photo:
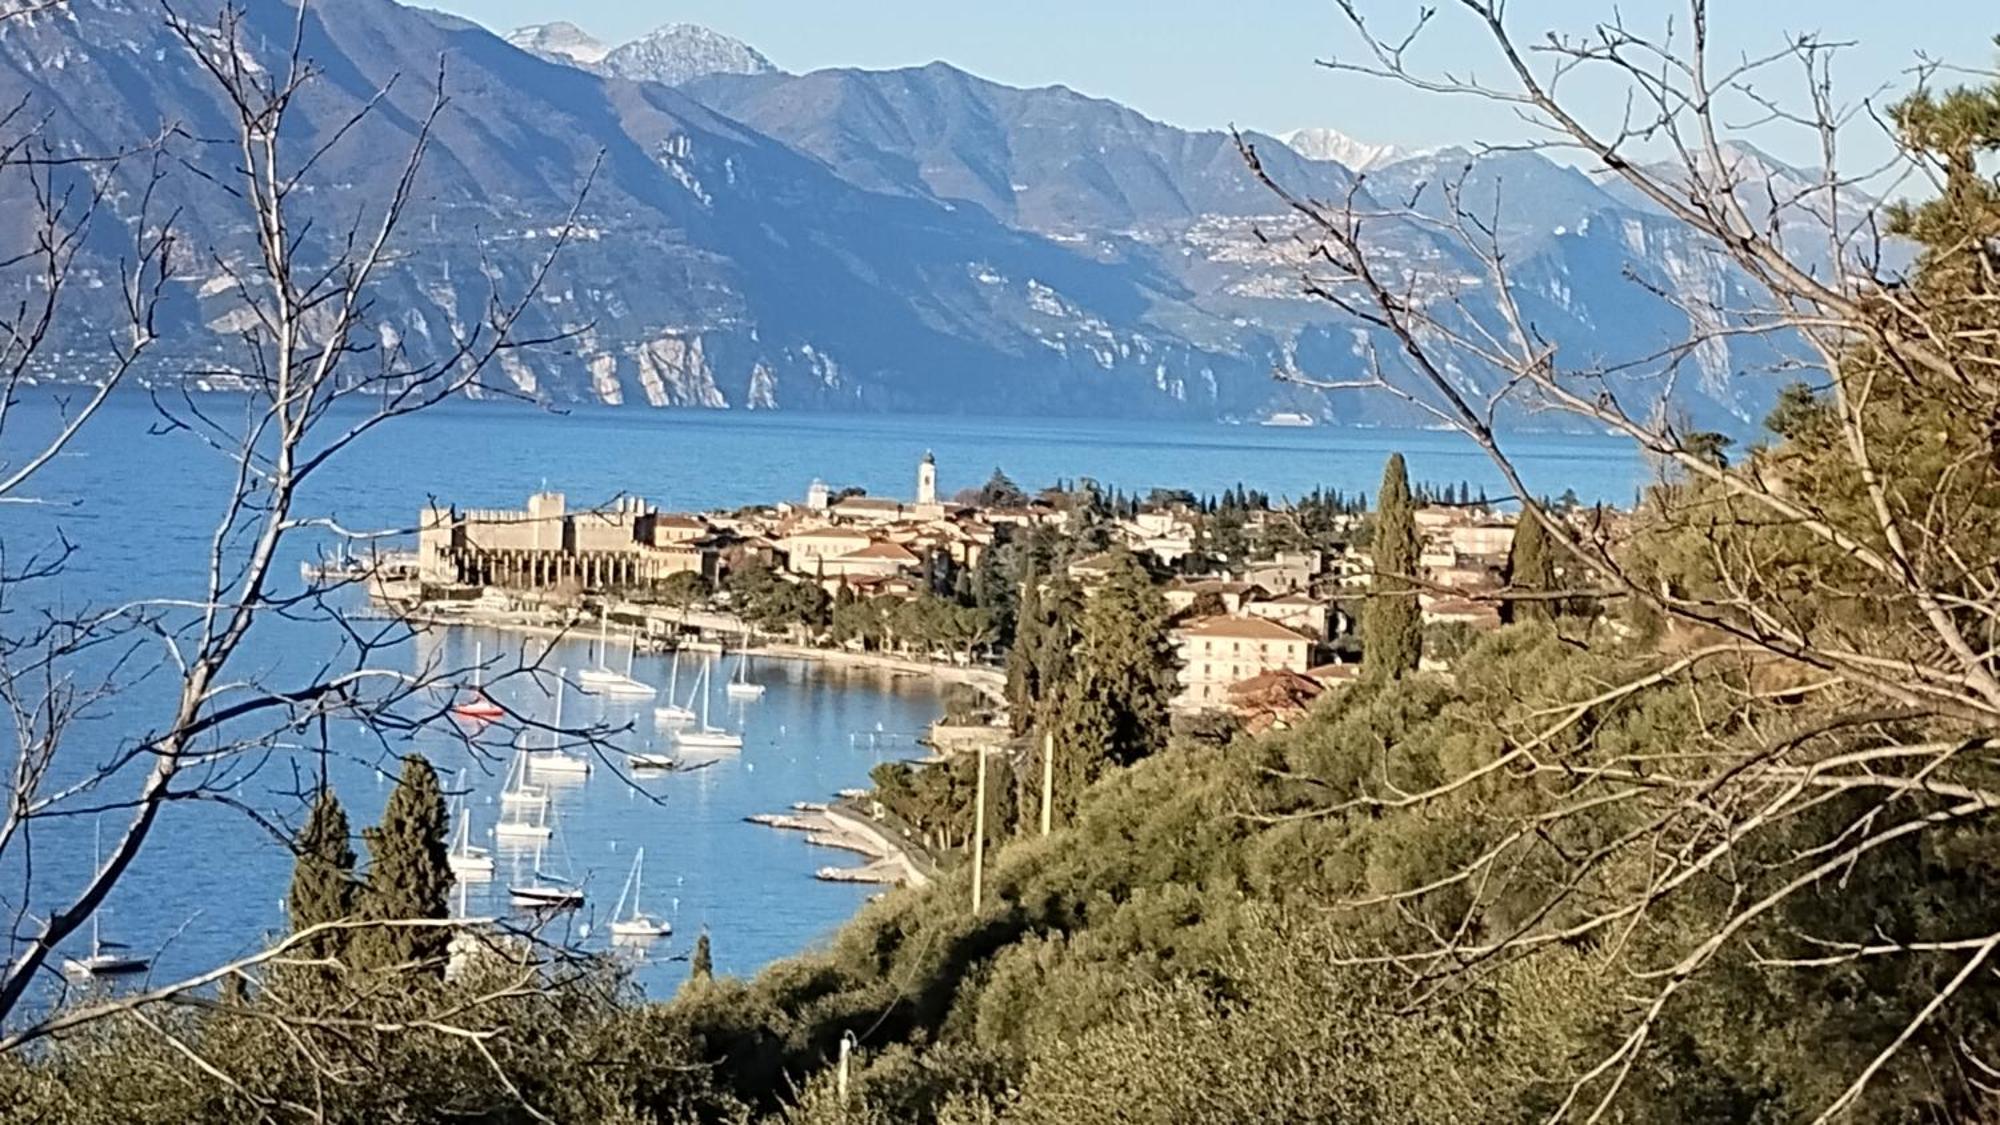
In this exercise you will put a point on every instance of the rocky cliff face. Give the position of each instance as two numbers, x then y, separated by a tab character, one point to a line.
846	240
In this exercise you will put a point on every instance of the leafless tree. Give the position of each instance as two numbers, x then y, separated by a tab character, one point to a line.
1900	686
318	379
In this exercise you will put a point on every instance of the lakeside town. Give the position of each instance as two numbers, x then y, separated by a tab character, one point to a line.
1262	593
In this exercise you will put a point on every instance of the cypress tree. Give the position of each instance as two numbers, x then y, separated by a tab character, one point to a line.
702	965
1392	640
1530	569
323	888
1083	725
1024	686
1127	662
409	875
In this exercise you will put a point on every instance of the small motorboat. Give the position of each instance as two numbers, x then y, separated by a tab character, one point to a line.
648	760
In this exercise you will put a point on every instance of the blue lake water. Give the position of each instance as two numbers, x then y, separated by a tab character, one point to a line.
139	507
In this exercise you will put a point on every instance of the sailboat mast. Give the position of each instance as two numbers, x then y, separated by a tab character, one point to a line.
555	735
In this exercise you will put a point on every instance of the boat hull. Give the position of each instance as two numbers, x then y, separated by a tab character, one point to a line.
709	740
104	966
547	898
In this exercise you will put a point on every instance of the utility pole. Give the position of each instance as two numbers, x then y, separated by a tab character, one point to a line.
846	1049
1048	777
979	832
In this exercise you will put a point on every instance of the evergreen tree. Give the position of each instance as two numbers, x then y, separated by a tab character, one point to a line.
409	875
1531	568
1024	686
1392	622
323	888
1127	662
702	965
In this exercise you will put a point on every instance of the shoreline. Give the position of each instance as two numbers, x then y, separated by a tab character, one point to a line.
989	680
840	824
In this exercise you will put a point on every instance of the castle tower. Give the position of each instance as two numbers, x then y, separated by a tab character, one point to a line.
927	480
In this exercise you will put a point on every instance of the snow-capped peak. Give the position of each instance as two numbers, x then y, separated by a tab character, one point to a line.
682	52
1331	144
559	42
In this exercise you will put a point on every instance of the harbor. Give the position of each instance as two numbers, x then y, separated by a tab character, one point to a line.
815	731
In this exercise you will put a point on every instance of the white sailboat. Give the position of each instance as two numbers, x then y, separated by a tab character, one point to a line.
523	807
740	686
707	736
556	760
672	711
106	958
638	924
602	680
468	861
544	891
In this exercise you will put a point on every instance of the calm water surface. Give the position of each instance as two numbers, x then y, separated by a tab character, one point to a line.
139	506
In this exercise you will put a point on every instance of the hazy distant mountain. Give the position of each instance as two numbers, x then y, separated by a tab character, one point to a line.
673	54
1331	144
560	42
1049	159
915	239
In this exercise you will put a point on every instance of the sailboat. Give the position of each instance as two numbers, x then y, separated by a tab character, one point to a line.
545	891
638	924
706	736
524	807
740	686
602	680
107	958
481	706
468	861
556	760
672	711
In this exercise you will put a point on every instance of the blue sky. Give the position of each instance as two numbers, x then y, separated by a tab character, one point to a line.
1211	63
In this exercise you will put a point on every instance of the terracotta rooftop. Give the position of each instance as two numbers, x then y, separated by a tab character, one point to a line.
882	551
1242	628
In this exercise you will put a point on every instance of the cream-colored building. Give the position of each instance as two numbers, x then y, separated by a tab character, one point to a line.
1299	612
1218	652
804	550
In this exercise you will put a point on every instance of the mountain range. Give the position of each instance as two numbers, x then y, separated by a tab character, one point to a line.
917	239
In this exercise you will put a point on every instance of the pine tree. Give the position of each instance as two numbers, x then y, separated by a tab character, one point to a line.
409	874
1530	569
1392	622
323	887
702	965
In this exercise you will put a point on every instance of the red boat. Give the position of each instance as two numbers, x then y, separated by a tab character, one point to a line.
479	707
